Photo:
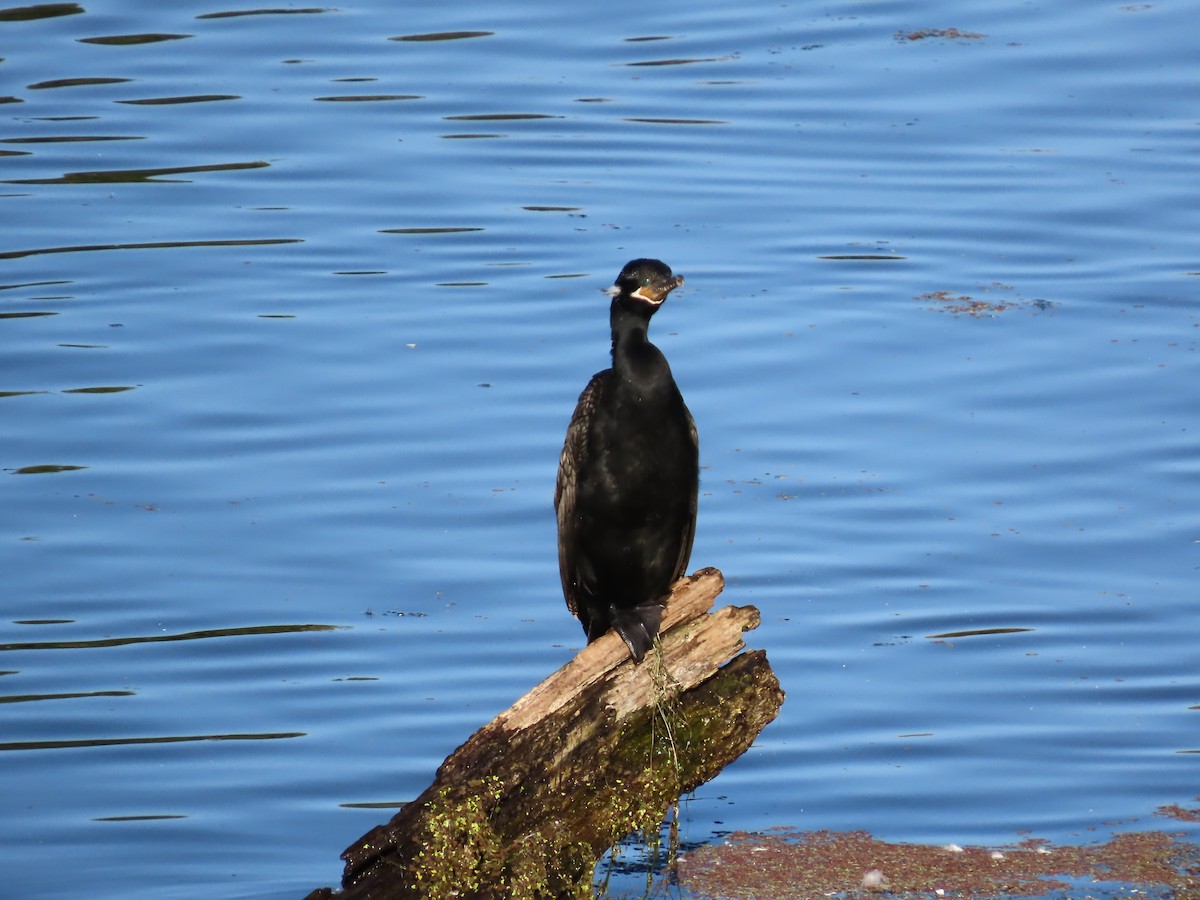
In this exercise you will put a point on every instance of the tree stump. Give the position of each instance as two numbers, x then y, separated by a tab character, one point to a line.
598	750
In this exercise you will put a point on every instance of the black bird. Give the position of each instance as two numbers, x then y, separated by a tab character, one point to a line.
628	475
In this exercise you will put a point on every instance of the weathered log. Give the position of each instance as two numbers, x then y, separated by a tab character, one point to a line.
598	750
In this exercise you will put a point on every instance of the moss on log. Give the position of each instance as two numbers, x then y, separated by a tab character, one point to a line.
598	750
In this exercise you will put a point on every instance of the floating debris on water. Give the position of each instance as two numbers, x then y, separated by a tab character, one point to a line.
956	304
945	34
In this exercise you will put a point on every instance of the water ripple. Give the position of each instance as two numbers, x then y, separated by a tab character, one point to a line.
182	99
150	245
133	176
75	82
273	11
204	634
136	741
442	36
71	138
124	40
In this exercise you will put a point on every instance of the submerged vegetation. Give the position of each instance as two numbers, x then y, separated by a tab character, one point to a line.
788	865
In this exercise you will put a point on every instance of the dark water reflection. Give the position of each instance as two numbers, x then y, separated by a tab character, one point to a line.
121	40
939	335
39	11
156	638
154	245
136	175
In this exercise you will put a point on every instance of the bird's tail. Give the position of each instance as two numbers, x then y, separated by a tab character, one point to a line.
638	626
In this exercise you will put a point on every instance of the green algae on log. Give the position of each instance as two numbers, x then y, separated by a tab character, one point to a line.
598	750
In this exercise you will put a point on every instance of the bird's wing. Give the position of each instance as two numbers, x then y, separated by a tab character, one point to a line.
689	527
575	452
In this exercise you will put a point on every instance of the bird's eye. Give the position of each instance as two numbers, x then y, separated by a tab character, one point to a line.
645	281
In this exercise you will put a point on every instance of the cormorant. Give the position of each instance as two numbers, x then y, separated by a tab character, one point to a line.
628	475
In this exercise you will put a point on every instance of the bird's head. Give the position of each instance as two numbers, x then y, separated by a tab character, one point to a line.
645	281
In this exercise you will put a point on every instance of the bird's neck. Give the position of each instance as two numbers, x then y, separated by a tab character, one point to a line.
638	363
629	326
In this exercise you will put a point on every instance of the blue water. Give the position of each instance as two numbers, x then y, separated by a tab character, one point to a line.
294	313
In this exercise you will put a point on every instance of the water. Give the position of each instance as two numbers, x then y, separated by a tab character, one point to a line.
294	315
